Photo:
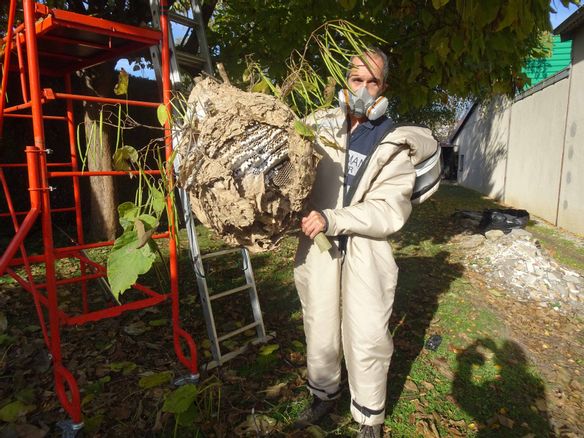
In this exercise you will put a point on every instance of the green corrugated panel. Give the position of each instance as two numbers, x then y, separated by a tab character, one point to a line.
539	69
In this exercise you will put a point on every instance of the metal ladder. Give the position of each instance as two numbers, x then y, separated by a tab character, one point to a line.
190	25
183	61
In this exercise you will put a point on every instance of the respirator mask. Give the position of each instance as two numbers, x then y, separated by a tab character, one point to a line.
361	104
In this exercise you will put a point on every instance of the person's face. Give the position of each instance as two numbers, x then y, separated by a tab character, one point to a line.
369	76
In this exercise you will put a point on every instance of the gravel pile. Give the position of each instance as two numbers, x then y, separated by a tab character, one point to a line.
515	262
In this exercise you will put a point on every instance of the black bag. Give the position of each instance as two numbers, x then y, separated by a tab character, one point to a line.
503	219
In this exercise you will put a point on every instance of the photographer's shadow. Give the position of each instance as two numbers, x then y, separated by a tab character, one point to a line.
495	386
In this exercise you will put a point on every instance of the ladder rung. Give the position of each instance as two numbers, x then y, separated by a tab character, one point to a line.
188	59
229	292
181	19
238	331
219	253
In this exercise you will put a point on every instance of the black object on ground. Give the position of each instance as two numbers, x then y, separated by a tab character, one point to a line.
503	219
433	342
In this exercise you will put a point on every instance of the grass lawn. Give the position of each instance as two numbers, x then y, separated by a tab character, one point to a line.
481	381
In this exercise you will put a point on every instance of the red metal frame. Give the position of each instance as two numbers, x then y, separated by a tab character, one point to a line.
82	42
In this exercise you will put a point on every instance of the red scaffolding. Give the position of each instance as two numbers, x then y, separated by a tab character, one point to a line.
58	43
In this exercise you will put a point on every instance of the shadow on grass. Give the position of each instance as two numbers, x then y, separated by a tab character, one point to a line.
422	280
503	403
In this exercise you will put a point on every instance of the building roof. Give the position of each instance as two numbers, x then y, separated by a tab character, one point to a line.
462	122
570	24
539	69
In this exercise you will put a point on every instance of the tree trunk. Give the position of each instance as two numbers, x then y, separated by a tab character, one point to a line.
103	199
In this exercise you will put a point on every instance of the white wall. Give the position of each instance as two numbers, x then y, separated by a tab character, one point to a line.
530	153
534	162
482	149
571	206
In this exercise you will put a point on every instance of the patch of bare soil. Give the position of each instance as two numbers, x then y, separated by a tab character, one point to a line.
555	345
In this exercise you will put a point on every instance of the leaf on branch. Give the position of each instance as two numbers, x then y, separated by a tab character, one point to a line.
158	200
348	5
162	114
123	157
144	235
261	87
127	261
511	14
121	87
329	91
303	129
439	3
127	213
486	13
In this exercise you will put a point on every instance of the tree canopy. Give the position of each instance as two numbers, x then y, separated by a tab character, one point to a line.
437	48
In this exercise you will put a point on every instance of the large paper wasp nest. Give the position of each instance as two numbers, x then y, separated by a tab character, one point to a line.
246	169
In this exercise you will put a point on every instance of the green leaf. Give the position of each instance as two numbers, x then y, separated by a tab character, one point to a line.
149	220
125	367
26	395
124	156
122	86
162	114
303	129
457	44
430	60
179	400
6	339
158	200
511	14
266	350
348	5
92	424
439	43
261	87
190	416
439	3
298	346
246	76
158	322
136	328
143	234
127	261
12	411
486	13
154	380
127	212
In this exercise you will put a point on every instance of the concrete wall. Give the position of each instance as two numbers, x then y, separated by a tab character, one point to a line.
534	162
571	206
530	153
482	149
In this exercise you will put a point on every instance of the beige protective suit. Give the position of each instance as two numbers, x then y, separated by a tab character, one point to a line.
349	299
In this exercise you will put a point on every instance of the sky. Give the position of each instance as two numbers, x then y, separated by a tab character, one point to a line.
562	12
555	19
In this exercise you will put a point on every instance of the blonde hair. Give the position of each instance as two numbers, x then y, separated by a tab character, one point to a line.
375	51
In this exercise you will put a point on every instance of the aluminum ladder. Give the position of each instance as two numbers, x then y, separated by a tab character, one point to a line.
189	29
190	21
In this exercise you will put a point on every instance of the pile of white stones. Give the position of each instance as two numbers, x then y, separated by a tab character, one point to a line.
515	262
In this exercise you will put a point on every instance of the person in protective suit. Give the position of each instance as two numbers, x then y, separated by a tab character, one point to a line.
361	195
